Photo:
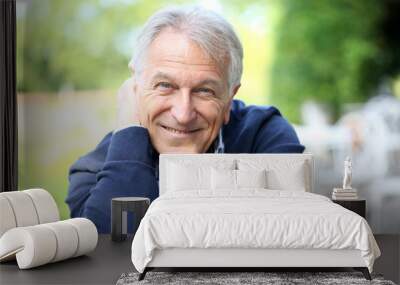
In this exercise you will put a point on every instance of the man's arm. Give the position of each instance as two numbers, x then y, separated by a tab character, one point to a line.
123	167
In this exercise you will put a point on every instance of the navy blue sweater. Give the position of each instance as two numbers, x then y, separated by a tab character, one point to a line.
125	163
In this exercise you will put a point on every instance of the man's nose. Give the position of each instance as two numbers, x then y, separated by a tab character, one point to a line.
183	109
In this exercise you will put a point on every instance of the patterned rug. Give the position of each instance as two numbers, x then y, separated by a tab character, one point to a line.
229	278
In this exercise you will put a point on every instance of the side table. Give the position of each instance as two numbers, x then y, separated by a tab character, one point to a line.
119	213
358	206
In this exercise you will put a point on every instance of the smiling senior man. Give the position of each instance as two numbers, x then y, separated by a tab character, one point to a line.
185	73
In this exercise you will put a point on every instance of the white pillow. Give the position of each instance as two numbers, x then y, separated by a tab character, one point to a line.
193	175
292	179
282	174
226	179
251	178
223	179
183	177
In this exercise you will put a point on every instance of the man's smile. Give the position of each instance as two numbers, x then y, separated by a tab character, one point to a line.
180	132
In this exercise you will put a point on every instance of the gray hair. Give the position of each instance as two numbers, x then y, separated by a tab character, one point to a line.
206	28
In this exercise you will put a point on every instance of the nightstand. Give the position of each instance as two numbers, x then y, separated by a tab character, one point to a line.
358	206
119	211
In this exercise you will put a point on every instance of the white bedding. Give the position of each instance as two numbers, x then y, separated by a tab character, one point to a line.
251	218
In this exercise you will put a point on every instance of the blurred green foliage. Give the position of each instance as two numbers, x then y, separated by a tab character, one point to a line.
330	52
75	45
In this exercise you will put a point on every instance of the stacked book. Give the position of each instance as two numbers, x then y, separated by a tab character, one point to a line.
344	194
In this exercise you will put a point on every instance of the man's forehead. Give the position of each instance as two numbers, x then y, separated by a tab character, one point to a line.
176	77
175	50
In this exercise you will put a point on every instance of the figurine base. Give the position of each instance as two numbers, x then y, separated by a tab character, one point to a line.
344	194
347	190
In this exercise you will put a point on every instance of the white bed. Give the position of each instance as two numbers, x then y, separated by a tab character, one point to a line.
247	210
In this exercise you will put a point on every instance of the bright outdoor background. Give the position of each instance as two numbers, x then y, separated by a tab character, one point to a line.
331	67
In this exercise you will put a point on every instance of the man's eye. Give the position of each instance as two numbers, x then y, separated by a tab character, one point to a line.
205	91
163	85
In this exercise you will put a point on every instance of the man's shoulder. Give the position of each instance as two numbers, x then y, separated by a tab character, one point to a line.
251	114
252	126
242	111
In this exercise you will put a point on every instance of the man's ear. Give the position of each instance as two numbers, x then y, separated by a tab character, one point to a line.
133	77
235	90
134	85
229	103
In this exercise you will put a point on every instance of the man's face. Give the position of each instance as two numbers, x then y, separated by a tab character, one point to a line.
183	95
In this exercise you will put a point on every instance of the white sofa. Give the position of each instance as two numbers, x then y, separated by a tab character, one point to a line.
31	232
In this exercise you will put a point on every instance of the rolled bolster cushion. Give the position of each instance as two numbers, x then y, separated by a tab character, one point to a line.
87	235
40	244
33	246
23	208
26	208
46	207
67	240
7	220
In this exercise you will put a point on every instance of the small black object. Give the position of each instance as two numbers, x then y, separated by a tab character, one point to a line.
358	206
119	210
143	274
364	271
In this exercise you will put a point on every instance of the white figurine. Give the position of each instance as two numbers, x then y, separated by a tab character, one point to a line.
347	173
347	192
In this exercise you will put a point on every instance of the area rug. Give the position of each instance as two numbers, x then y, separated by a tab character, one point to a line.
269	278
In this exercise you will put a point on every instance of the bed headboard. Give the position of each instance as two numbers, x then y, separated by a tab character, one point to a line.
287	166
